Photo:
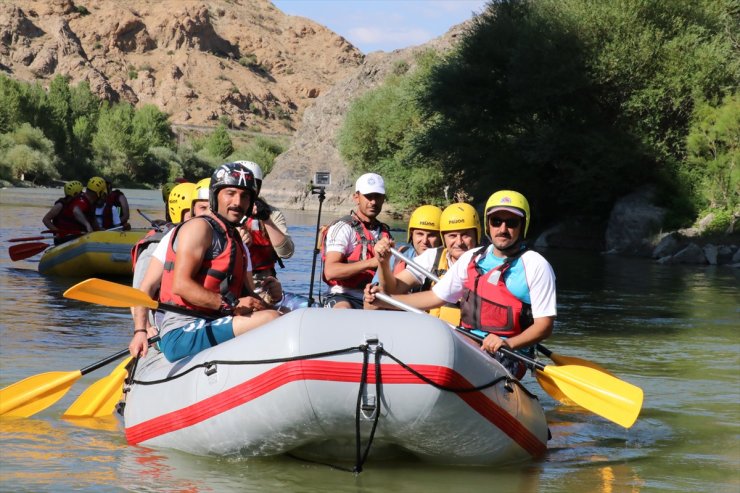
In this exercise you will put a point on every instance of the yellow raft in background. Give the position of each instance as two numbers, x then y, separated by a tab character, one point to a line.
100	253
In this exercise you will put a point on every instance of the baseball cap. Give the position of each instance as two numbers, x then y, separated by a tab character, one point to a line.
370	183
513	210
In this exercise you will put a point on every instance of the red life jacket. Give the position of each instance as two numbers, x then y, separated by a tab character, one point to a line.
363	251
260	251
400	266
154	235
66	220
490	306
112	200
221	274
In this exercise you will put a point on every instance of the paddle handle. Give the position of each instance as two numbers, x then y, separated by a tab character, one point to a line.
421	270
112	358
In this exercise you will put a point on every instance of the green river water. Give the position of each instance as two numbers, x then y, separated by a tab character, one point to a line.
672	330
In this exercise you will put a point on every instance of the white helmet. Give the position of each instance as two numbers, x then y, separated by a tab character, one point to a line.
254	168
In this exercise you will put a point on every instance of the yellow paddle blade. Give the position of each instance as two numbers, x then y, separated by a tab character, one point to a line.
561	360
549	386
600	393
109	294
36	393
100	398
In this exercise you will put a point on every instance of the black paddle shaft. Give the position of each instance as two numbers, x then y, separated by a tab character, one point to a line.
112	358
508	352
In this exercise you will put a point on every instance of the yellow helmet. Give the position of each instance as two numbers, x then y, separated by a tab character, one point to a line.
72	188
179	201
201	191
166	189
511	201
97	184
457	217
424	217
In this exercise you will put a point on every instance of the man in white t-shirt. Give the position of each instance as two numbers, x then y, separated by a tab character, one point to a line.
507	292
349	261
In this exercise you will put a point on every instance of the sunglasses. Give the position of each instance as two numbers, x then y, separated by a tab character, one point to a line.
511	222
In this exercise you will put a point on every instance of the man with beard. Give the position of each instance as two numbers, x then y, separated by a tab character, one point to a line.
206	272
507	292
347	251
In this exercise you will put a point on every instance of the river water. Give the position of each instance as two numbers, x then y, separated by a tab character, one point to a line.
671	330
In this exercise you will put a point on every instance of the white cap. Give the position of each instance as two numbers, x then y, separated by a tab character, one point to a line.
370	183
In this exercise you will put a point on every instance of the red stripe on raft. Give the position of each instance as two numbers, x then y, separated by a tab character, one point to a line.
334	371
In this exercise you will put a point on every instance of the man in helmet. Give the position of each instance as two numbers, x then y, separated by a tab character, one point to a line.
506	291
52	219
460	231
267	233
78	215
166	189
206	271
423	235
113	212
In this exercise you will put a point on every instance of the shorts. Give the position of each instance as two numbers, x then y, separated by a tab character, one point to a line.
334	298
194	337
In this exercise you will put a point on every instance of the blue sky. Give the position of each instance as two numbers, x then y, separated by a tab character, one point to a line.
386	25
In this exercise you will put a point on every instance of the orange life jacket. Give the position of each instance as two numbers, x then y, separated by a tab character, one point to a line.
222	273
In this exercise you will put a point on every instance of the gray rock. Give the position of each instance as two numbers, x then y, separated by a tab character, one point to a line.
633	221
668	245
711	253
692	254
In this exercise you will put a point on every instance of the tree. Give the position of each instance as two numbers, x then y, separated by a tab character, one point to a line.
219	144
714	152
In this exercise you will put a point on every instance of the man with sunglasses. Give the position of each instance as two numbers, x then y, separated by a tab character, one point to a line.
507	292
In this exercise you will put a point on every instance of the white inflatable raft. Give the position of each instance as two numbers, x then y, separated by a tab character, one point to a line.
296	386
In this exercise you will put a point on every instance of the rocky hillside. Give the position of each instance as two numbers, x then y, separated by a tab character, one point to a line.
242	61
314	146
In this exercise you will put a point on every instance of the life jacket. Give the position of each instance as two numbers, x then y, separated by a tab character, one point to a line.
261	252
154	235
449	312
363	251
113	200
222	273
66	221
488	305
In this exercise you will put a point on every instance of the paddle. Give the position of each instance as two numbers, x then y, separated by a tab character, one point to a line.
26	250
100	398
558	359
46	235
121	296
600	393
34	394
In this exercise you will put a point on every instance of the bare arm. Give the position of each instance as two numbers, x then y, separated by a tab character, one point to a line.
125	213
150	284
334	268
277	229
193	242
426	300
82	219
53	212
540	330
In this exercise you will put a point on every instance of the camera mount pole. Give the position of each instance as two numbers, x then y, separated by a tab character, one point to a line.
321	192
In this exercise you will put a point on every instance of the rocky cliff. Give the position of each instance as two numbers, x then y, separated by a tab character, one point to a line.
314	146
241	61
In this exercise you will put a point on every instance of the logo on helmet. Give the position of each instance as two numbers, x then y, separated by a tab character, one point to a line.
457	221
505	200
426	223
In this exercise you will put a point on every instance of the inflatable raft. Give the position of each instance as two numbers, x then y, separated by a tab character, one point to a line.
319	383
96	254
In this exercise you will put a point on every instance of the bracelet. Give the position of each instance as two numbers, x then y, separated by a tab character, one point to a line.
139	330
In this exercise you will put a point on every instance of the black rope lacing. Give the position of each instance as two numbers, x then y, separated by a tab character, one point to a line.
360	456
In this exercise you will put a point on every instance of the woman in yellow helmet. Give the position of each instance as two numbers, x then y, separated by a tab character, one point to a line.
507	292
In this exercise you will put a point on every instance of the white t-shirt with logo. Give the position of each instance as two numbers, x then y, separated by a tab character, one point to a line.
540	279
341	237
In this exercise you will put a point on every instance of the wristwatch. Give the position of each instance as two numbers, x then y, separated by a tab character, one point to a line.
228	303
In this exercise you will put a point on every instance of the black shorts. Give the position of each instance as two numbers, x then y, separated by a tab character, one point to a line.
334	298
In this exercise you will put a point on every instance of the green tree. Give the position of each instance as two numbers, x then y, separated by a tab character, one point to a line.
219	144
112	142
262	151
379	133
28	155
714	152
